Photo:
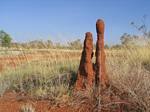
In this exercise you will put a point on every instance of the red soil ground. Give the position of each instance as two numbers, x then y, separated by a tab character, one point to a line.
12	102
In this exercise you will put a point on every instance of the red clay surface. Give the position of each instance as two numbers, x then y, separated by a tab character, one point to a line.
12	102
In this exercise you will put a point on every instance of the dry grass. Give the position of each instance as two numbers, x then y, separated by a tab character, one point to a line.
129	71
42	75
131	75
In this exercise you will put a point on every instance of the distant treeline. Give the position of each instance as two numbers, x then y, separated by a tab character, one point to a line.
40	44
126	40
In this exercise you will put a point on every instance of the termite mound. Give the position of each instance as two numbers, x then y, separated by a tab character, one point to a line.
101	76
85	74
89	75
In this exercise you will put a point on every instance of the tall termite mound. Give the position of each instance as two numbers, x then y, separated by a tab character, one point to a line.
88	75
85	75
100	75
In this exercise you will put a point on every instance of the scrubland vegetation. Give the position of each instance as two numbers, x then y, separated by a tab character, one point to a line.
48	78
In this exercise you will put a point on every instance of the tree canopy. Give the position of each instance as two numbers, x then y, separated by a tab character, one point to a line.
5	39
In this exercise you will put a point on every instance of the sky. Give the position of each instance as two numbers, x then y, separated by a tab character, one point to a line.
67	20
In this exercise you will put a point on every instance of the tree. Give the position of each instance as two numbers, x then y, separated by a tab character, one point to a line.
106	46
49	44
5	39
37	44
76	44
143	28
125	39
117	46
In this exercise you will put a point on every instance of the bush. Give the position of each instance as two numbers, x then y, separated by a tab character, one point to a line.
5	39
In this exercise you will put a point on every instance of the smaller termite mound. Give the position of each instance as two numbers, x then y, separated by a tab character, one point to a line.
101	76
85	74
